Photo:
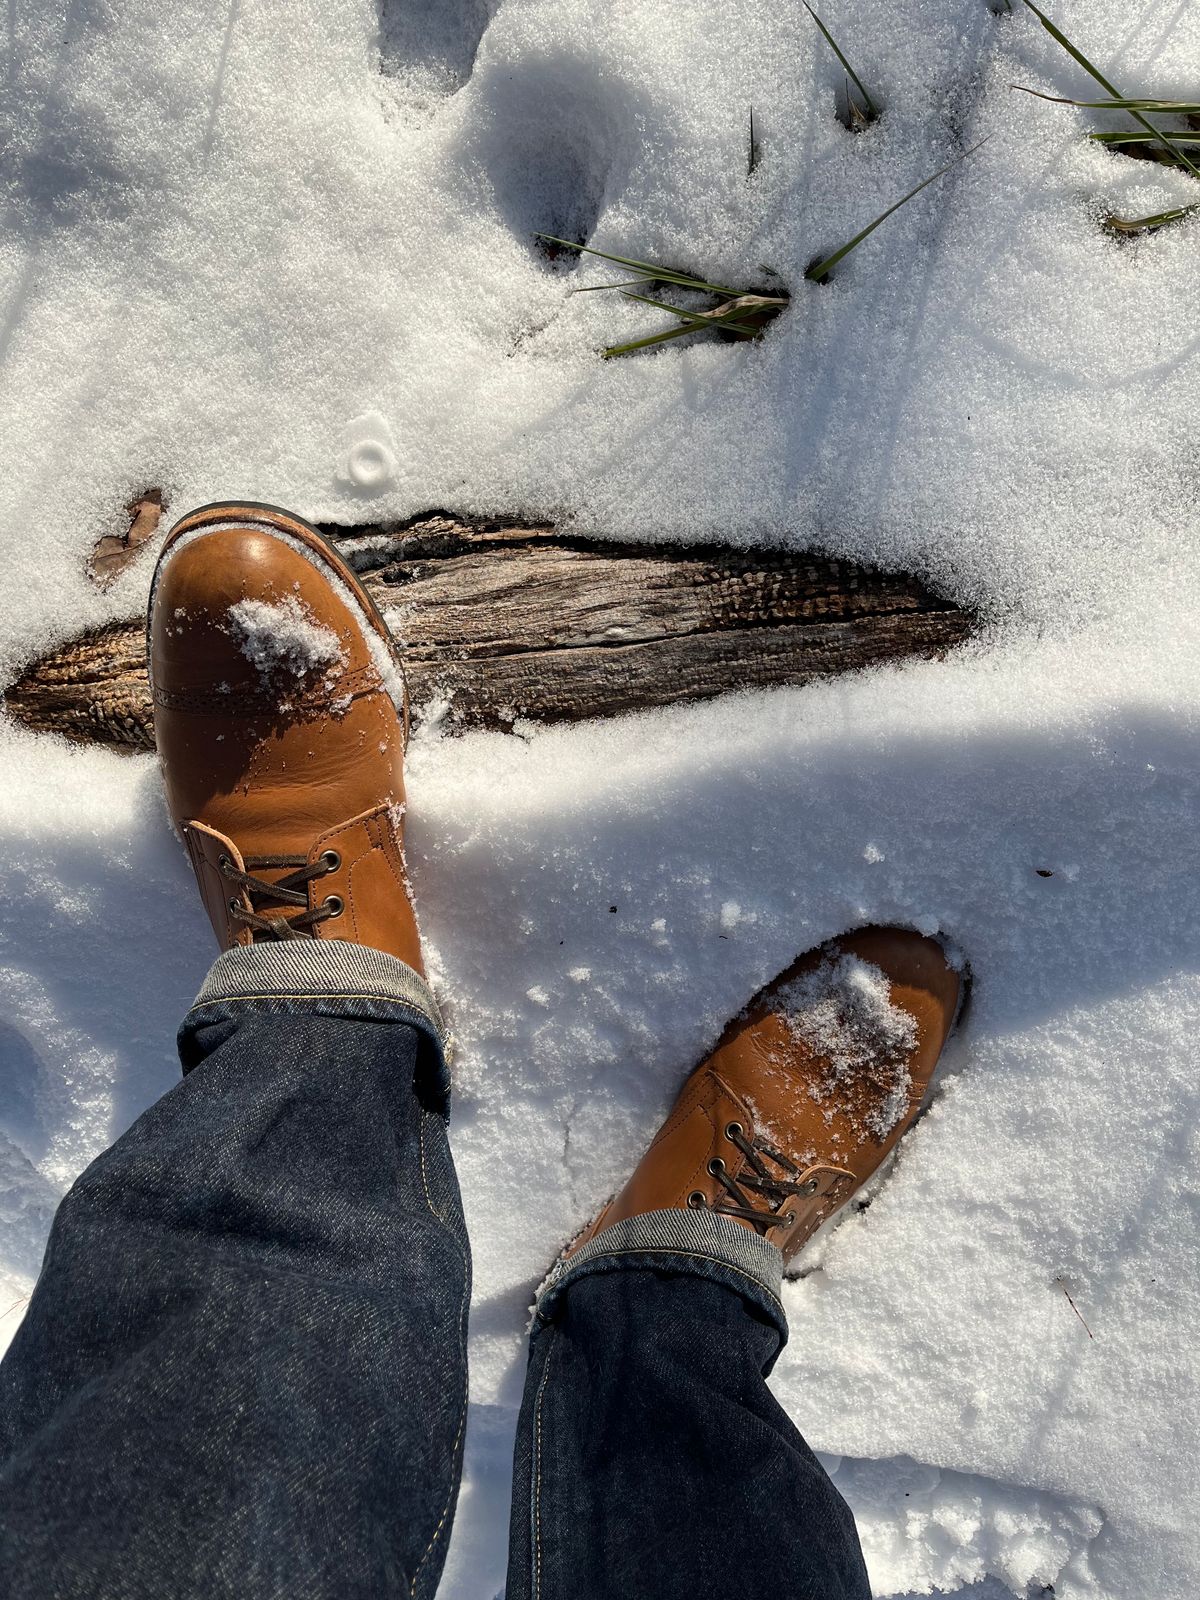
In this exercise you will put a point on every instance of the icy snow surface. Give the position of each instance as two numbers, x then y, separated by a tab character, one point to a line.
237	258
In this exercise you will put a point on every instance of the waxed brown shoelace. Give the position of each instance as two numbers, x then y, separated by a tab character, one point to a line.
776	1191
290	890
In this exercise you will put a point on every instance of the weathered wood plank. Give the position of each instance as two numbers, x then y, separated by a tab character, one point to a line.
501	622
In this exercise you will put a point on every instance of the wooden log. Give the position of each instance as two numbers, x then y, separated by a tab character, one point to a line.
501	622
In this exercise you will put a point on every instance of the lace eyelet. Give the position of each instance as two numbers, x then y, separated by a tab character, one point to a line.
334	904
235	904
732	1130
716	1165
330	860
697	1200
789	1219
225	863
810	1187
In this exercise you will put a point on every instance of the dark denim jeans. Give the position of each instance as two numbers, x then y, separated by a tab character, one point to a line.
243	1370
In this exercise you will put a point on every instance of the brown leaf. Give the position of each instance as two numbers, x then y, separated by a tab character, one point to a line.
114	552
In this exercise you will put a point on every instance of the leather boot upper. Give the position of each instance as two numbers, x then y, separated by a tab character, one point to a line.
278	714
807	1091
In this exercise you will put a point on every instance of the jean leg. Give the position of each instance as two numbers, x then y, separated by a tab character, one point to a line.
651	1457
243	1369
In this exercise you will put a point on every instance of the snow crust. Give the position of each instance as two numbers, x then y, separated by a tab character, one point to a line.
237	258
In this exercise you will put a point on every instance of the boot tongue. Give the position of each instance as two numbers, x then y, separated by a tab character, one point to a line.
282	916
282	909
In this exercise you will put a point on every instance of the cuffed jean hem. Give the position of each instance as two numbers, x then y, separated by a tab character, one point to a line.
702	1243
322	977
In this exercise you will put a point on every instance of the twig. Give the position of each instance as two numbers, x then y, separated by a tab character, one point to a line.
1074	1307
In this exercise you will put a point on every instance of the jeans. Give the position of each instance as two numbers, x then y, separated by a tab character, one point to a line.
243	1369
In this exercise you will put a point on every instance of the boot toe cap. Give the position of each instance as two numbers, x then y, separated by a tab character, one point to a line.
202	582
923	980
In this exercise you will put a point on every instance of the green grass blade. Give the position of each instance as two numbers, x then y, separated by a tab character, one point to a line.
823	268
872	108
1127	225
1078	55
644	344
753	155
648	268
1120	136
1179	108
728	320
603	288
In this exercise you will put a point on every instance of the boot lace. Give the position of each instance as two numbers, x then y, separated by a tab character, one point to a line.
775	1189
290	890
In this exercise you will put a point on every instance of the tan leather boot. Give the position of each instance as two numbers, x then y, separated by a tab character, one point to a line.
806	1093
280	718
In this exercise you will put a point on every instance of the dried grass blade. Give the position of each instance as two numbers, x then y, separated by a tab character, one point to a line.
1161	219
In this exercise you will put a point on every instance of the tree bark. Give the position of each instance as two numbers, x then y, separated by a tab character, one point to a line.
501	622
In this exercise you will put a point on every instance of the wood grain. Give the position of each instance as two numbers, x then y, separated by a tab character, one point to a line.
500	621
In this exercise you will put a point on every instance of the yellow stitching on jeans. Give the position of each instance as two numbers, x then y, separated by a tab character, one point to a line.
462	1420
332	994
304	994
673	1250
307	994
537	1478
424	1176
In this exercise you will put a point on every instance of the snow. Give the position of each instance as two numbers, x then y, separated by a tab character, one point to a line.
238	259
370	458
843	1012
282	638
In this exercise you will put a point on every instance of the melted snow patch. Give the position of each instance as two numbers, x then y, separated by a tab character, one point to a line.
843	1011
282	637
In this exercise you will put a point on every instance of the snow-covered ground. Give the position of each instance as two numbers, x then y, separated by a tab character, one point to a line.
228	238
